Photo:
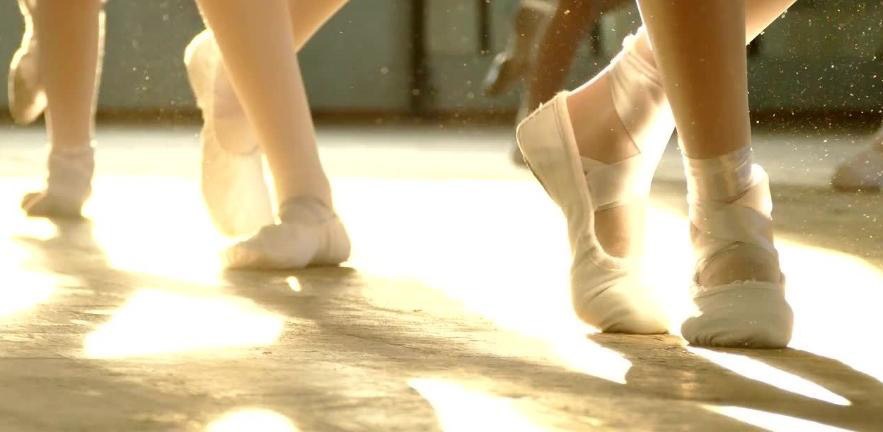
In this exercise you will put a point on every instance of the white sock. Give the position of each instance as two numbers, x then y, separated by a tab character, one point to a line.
309	234
68	185
730	210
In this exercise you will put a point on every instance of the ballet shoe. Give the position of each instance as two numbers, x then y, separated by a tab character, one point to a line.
606	290
308	234
742	313
232	183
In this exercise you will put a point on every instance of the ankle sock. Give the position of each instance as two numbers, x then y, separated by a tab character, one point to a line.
68	185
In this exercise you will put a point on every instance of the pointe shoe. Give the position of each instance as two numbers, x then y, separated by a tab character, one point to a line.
27	98
607	292
863	171
740	314
233	185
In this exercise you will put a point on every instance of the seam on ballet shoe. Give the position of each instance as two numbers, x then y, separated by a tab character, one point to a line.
699	291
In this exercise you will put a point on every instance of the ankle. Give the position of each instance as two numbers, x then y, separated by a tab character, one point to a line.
730	213
305	209
722	178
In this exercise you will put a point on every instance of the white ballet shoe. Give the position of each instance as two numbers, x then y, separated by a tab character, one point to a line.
607	292
741	314
68	185
232	183
863	171
27	99
309	234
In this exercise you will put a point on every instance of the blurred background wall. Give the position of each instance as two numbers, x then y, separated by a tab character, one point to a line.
428	58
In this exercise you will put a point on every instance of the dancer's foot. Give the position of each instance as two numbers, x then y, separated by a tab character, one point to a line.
232	179
863	171
27	99
601	180
622	118
309	234
68	186
607	292
738	287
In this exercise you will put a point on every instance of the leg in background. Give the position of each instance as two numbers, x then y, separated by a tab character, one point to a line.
70	35
511	65
555	50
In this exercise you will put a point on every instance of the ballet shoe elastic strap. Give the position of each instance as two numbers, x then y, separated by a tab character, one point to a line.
617	184
746	220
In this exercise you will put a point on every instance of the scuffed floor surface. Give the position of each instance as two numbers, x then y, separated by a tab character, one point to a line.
452	315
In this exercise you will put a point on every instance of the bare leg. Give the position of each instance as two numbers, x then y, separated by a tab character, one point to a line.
259	53
69	45
27	98
703	57
699	47
68	64
233	185
260	57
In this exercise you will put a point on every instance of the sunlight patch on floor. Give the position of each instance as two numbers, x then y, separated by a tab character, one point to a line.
771	421
505	263
460	408
155	322
762	372
252	419
175	240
